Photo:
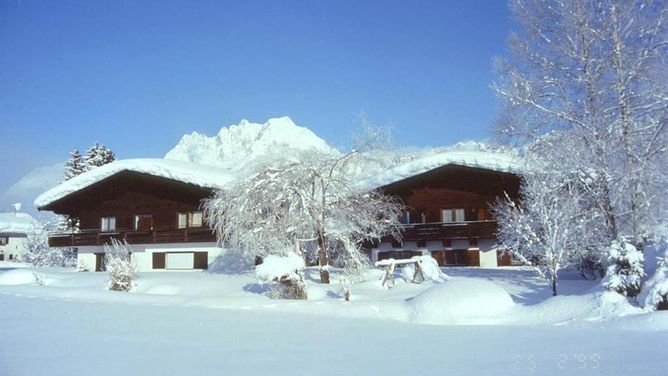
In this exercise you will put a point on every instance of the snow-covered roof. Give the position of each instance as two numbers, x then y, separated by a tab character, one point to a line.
16	223
186	172
477	159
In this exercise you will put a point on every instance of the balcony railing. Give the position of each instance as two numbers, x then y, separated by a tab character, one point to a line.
456	230
156	235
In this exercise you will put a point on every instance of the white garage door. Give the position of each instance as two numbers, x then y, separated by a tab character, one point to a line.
180	260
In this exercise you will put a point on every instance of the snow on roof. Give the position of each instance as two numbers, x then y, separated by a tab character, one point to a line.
16	223
494	161
191	173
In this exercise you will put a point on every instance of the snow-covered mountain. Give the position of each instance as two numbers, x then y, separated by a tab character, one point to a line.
236	145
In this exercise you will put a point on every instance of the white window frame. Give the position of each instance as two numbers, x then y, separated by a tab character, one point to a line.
446	215
453	215
182	220
108	223
460	215
190	219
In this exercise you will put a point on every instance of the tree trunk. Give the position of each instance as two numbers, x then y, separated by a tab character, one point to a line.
553	279
322	260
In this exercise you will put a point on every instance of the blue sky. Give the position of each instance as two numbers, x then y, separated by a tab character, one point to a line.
136	75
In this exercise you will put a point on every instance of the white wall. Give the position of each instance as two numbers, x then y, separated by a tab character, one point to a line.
15	246
488	253
142	254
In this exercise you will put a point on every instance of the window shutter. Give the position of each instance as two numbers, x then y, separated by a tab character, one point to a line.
159	260
201	260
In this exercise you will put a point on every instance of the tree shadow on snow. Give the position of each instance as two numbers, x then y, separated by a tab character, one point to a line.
257	288
230	262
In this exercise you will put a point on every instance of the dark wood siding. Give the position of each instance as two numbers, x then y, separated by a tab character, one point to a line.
473	258
452	187
125	195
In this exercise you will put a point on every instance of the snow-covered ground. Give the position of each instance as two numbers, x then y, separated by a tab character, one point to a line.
485	321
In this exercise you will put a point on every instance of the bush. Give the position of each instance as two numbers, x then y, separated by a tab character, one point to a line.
286	275
121	270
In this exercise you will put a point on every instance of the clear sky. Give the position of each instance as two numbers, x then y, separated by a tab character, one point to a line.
137	75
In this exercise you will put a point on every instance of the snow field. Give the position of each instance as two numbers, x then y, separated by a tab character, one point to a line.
483	322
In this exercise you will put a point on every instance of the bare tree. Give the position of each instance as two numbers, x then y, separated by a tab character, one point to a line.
587	81
547	230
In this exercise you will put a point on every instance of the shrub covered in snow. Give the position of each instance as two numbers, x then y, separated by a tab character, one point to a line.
625	273
656	288
118	263
286	274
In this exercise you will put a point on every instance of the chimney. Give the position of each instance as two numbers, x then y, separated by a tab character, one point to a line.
17	207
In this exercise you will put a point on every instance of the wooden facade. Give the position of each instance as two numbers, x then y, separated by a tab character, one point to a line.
449	206
145	209
447	213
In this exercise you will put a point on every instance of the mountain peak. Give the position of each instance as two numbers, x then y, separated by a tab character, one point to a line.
236	145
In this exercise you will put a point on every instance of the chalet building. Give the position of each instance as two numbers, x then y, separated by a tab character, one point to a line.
14	228
447	198
153	204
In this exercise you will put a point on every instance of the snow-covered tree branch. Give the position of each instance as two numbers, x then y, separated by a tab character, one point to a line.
303	205
548	229
586	87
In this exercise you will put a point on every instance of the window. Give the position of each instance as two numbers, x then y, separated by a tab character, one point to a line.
143	222
453	215
189	219
108	224
182	220
4	240
195	219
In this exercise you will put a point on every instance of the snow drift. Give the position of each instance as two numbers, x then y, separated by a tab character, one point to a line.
461	301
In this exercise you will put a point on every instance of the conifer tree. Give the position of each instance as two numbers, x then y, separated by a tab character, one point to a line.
626	271
74	165
98	155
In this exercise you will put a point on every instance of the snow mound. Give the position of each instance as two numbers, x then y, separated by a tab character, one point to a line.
17	277
273	267
430	270
461	301
17	223
234	146
594	306
496	161
190	173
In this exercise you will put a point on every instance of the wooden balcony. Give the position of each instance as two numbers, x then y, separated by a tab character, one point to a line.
443	231
154	236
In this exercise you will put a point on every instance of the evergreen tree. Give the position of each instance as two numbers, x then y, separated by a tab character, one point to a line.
626	270
98	155
74	165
